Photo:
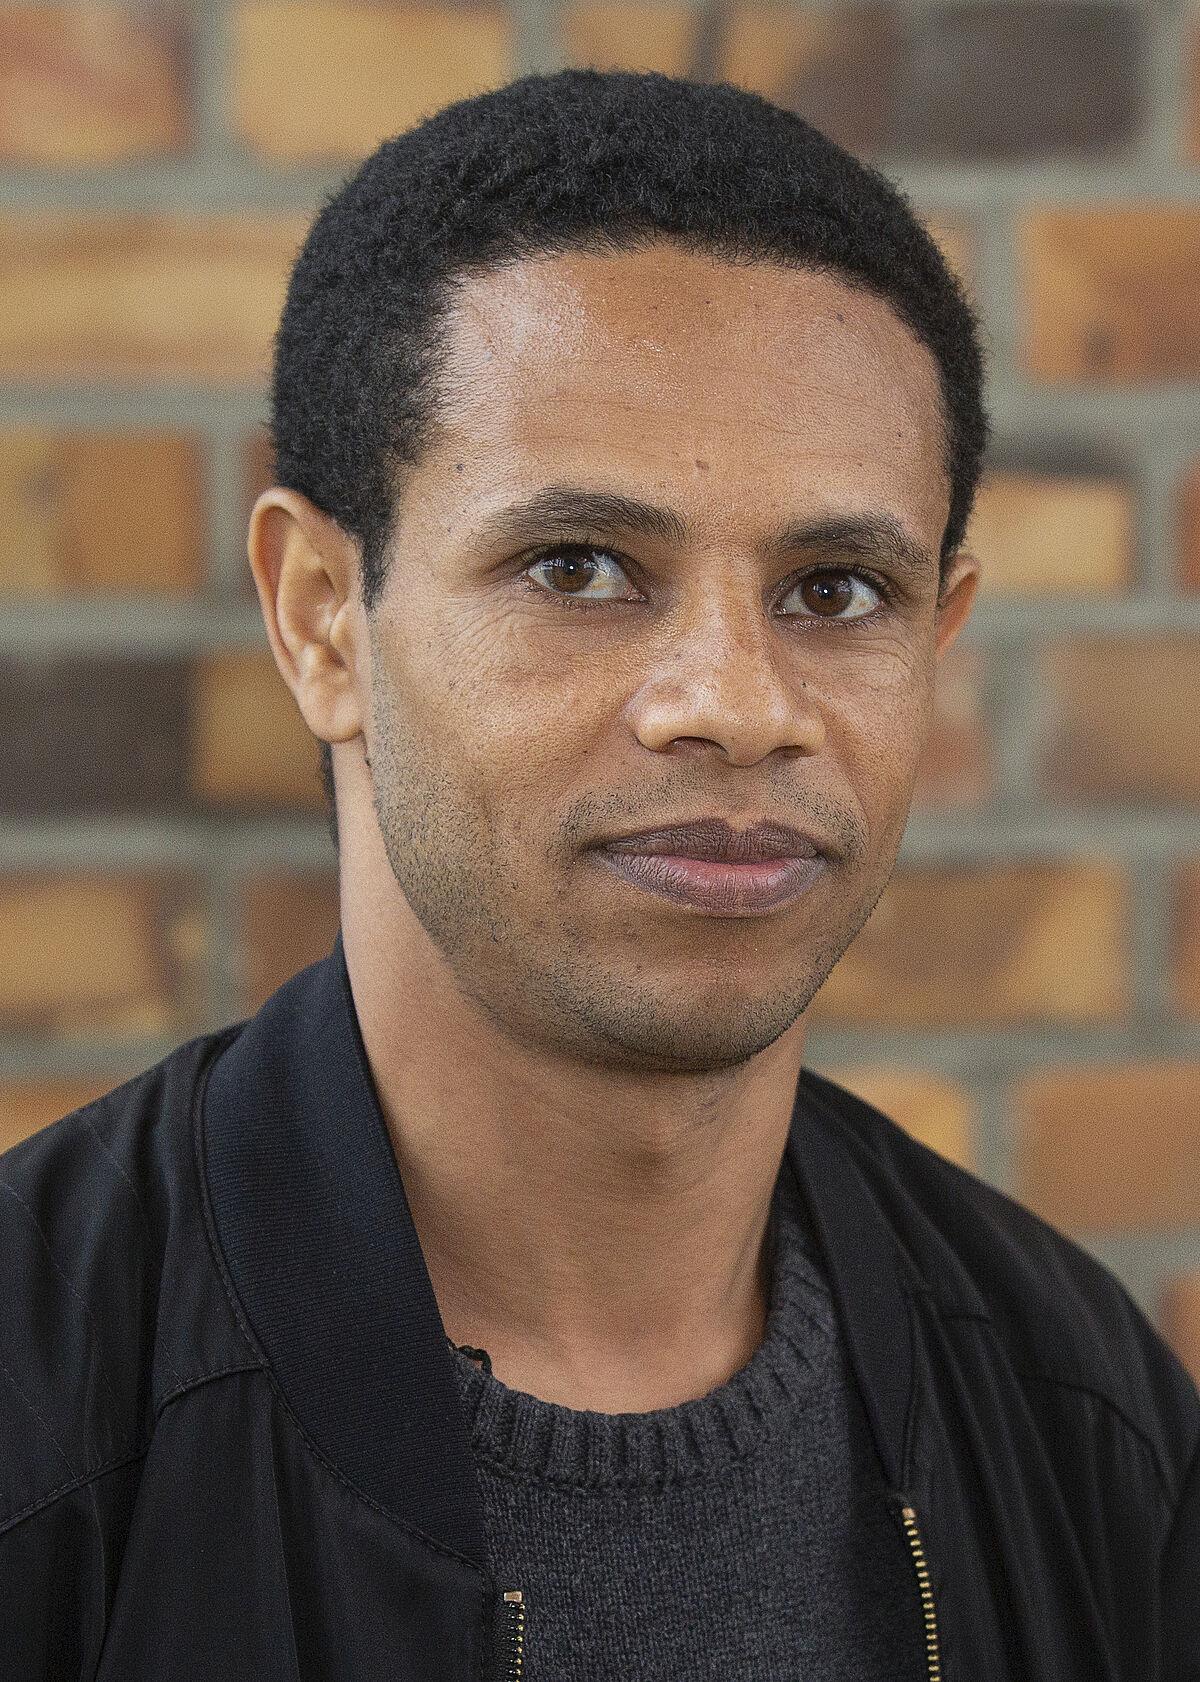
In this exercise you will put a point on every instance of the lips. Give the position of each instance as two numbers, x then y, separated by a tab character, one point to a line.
712	867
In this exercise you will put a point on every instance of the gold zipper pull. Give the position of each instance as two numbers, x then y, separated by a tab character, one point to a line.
933	1662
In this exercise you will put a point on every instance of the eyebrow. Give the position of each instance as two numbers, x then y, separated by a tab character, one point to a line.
557	509
877	536
570	508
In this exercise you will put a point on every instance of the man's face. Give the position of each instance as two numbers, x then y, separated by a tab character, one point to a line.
672	555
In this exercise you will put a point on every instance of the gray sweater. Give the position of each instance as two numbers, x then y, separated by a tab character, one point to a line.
741	1537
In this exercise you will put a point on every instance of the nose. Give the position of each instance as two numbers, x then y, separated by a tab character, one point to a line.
723	677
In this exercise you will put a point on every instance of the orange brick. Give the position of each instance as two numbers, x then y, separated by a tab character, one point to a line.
1039	535
956	766
1180	1318
1111	1149
1187	940
933	1109
94	512
1189	529
319	79
631	35
93	954
288	923
250	747
171	296
1125	719
990	945
1113	293
91	84
26	1106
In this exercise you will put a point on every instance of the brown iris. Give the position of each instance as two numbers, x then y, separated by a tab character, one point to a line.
570	572
827	593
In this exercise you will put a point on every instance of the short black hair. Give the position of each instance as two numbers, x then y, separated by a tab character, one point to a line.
581	160
585	159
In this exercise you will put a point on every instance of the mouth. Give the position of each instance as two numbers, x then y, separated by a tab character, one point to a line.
709	866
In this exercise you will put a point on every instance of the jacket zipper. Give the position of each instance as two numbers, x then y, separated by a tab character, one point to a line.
933	1662
512	1635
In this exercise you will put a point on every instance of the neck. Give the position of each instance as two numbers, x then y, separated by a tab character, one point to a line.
600	1232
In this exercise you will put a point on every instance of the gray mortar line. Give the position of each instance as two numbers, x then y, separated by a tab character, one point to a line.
970	1052
183	843
1151	942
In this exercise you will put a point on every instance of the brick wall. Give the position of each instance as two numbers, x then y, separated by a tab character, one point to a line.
1027	996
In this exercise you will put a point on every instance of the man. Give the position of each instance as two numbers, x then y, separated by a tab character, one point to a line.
627	431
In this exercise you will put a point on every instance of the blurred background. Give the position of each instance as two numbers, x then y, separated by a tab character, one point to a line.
1027	996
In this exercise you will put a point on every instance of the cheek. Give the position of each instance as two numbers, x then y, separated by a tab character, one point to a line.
515	714
878	708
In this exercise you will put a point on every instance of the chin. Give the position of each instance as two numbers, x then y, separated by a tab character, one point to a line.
645	1033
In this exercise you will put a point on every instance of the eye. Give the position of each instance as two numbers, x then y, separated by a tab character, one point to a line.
833	594
587	574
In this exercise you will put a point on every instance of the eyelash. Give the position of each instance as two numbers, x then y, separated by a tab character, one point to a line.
576	604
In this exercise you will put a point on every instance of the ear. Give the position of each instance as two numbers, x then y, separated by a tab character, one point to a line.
306	574
955	599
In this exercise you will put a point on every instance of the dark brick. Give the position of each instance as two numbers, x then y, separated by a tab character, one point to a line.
92	735
836	68
1016	80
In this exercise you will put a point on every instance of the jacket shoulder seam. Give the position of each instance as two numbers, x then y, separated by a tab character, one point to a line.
1058	1383
128	1456
11	1520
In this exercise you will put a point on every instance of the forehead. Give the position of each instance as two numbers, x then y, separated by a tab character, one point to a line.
650	361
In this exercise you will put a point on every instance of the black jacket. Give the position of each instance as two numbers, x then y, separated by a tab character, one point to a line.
231	1448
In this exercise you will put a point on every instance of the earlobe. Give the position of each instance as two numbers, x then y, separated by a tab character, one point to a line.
956	598
306	573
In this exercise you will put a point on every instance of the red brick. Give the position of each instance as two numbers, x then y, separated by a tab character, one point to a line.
91	84
166	296
1124	719
630	35
935	1110
956	767
288	922
317	79
100	512
1112	293
26	1106
1111	1149
987	945
250	747
1186	966
1180	1318
93	954
1188	513
1039	534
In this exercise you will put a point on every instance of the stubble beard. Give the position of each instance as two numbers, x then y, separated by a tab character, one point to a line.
541	975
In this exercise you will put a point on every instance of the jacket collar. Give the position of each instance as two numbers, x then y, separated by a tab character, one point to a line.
317	1235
